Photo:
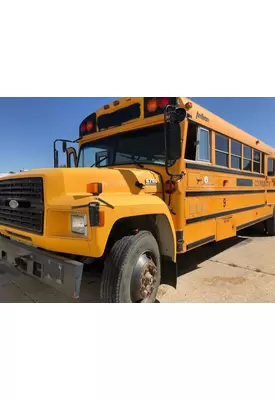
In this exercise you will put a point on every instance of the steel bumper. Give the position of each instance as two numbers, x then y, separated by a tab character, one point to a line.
63	274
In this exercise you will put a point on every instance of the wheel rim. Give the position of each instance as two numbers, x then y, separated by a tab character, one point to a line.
144	278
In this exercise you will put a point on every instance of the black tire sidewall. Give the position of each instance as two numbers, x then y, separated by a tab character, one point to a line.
139	244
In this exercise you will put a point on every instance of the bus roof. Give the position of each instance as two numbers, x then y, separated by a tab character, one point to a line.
208	119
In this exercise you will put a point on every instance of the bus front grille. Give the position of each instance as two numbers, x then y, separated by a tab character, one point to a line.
22	204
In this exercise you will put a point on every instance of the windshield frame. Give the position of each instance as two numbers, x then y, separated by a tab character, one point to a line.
130	162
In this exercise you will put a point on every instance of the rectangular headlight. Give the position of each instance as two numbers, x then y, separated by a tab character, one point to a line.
79	224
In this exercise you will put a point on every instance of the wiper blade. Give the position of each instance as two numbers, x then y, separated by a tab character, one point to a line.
133	160
99	162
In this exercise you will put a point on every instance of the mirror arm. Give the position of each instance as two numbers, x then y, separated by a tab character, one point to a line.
55	151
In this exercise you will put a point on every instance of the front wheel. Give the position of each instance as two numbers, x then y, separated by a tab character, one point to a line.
132	270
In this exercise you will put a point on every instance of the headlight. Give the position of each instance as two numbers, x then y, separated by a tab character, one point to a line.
79	224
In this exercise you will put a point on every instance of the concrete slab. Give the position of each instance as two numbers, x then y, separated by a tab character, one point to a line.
12	294
215	283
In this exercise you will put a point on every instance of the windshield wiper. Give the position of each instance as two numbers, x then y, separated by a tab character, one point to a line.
99	162
132	159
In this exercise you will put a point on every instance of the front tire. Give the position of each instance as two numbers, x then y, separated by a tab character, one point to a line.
132	272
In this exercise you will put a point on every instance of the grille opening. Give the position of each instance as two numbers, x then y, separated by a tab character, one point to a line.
4	255
37	269
28	193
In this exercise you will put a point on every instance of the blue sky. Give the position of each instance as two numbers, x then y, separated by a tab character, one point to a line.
28	126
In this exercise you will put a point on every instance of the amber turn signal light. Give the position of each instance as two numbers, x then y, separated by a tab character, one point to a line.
94	188
101	218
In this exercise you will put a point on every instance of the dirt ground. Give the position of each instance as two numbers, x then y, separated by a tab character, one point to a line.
240	269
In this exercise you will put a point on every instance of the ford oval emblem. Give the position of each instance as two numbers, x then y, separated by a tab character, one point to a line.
13	204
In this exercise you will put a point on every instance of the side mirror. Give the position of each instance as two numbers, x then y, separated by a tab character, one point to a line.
173	116
64	146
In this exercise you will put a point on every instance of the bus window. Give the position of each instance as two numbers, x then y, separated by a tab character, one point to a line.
247	158
203	148
197	143
256	161
236	154
270	167
222	150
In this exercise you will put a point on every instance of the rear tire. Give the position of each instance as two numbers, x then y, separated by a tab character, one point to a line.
132	272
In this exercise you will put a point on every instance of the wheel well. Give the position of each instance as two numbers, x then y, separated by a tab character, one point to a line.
157	224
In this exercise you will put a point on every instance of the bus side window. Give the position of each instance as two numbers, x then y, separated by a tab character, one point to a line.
203	148
197	143
270	167
222	150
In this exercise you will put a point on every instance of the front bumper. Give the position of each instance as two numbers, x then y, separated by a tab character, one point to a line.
63	274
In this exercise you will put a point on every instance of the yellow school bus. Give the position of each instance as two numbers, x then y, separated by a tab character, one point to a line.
151	178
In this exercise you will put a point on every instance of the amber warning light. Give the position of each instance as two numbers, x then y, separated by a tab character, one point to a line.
155	105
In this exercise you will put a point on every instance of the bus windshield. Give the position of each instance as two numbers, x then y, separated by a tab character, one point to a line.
144	146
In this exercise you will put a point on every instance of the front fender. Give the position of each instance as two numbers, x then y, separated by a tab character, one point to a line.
125	206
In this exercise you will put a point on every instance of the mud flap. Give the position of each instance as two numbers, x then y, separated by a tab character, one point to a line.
169	272
62	274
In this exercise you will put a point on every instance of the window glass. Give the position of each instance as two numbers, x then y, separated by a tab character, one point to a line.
247	152
236	162
144	145
222	143
270	167
247	162
256	156
247	165
236	154
256	167
236	148
204	145
222	150
221	159
256	161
